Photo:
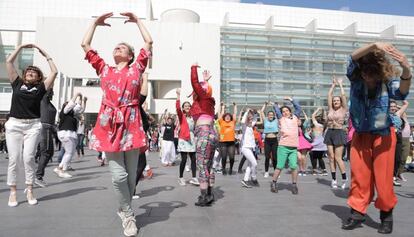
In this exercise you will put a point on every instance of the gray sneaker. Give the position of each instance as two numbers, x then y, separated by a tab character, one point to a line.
40	183
130	228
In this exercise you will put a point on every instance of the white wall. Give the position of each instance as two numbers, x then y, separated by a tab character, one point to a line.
176	47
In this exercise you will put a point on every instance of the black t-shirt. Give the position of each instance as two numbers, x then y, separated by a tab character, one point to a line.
47	110
26	99
168	132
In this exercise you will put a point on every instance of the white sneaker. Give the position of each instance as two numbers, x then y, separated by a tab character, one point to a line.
181	181
194	181
12	203
56	170
344	184
130	228
266	175
334	184
303	173
187	168
64	174
30	199
135	197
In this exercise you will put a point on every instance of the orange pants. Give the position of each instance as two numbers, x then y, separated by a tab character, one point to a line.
372	165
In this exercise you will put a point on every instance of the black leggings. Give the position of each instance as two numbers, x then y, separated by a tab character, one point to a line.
184	161
227	148
270	152
142	162
315	157
398	151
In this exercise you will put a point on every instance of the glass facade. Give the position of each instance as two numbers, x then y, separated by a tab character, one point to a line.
258	65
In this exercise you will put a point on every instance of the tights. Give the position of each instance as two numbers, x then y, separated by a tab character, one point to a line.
316	156
227	148
184	161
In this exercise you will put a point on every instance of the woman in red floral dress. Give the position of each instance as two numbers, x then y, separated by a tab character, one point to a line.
118	131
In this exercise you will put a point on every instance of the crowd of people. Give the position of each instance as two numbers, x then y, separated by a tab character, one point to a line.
369	127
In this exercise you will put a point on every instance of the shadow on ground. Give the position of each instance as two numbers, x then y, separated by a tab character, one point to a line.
70	193
157	212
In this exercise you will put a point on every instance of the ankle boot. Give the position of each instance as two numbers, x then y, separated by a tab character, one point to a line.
202	199
354	221
386	222
210	195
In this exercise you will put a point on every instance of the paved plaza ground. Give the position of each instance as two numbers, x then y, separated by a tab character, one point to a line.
85	206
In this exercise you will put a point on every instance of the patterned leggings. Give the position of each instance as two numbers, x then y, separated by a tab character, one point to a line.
206	141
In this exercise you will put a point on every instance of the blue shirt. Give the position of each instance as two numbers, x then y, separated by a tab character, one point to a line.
270	126
371	114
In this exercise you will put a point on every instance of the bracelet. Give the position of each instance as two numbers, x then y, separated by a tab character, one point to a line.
406	79
49	59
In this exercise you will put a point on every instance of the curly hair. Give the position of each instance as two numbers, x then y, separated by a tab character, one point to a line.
376	64
37	70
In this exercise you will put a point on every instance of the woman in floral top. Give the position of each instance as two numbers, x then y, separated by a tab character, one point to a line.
118	131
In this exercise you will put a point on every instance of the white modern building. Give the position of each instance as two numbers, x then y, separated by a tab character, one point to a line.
254	52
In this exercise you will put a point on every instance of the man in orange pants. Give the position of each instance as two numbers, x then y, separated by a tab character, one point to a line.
373	84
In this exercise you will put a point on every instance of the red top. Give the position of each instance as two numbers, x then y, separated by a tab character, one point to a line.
202	103
119	126
184	129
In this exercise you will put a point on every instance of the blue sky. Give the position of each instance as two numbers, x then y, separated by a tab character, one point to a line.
392	7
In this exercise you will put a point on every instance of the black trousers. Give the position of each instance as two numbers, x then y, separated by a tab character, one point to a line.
270	152
46	149
398	153
142	162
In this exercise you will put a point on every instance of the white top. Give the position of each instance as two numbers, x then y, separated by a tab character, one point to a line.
248	138
81	128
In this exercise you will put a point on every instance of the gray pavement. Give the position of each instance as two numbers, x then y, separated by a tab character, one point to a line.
85	205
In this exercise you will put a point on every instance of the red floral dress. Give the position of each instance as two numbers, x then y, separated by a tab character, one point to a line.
119	125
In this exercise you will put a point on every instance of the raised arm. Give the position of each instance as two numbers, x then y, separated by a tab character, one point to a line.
330	93
296	106
234	110
262	110
222	109
198	89
277	110
314	121
403	108
100	21
178	104
72	103
344	102
11	70
244	118
53	70
406	75
144	32
361	52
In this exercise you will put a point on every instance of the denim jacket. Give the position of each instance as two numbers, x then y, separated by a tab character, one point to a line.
371	115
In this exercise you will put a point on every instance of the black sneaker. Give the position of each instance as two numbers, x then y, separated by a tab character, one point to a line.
40	183
70	168
224	172
246	184
273	187
295	189
255	183
230	172
240	171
